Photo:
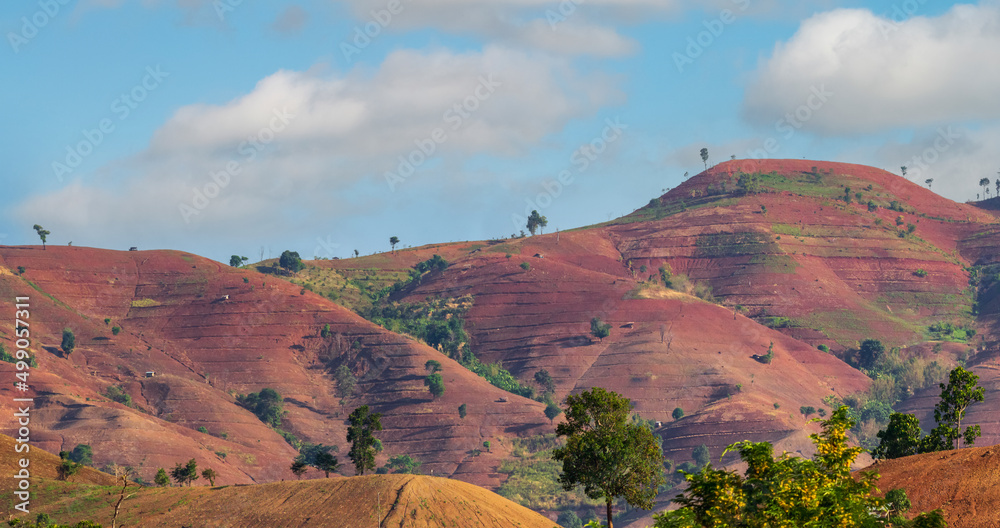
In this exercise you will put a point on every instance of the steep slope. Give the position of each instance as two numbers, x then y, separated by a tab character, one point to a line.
210	332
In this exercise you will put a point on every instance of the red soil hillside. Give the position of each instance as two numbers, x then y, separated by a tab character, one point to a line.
209	331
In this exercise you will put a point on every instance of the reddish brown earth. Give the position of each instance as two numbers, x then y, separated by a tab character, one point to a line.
205	349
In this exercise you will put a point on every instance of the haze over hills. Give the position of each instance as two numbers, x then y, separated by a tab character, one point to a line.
781	262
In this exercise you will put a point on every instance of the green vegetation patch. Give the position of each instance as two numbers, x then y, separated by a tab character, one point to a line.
145	303
533	477
734	244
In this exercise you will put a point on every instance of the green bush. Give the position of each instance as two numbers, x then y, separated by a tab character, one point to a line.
920	273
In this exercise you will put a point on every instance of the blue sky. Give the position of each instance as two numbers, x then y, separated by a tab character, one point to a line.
230	127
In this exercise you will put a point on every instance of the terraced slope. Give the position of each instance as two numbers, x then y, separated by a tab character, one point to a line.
210	332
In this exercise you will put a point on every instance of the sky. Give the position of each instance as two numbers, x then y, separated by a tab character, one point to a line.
225	127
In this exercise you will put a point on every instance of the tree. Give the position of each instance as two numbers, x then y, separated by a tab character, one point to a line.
185	472
984	183
267	405
748	183
68	342
404	464
900	438
161	478
569	519
299	468
345	381
432	366
897	502
701	456
536	221
552	411
82	454
789	491
606	453
929	181
392	242
360	434
210	475
545	381
961	392
871	351
67	468
525	266
487	444
998	185
678	413
435	384
903	170
42	233
704	157
290	261
328	463
237	261
599	329
462	411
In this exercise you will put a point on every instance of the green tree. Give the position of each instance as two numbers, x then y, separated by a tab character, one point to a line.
328	463
290	261
68	341
678	413
42	233
185	473
237	261
525	266
82	454
325	332
900	438
903	170
392	242
435	384
360	433
552	411
929	181
789	491
545	381
536	222
569	519
748	183
962	391
599	329
871	351
606	453
704	157
67	468
462	411
983	182
432	366
897	502
299	468
267	405
161	478
210	475
403	464
701	456
345	381
487	444
115	330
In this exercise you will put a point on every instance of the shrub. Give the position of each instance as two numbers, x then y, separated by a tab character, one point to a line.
678	413
68	341
118	394
823	348
921	272
462	411
116	330
525	266
203	429
807	410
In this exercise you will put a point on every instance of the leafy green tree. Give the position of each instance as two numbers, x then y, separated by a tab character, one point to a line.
210	475
345	381
161	478
68	341
42	233
985	184
599	329
299	468
748	183
536	221
290	261
392	242
704	157
606	453
871	351
115	330
403	464
328	463
67	468
360	433
462	411
900	438
678	413
552	411
487	444
82	454
789	491
701	456
545	381
325	332
569	519
897	502
267	405
432	366
185	473
435	384
237	261
962	391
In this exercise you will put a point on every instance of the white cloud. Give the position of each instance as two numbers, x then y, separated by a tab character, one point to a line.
884	73
338	137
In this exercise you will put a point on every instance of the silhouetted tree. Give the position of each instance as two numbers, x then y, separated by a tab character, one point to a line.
536	221
299	468
929	181
290	261
704	157
392	242
42	233
328	463
360	433
210	475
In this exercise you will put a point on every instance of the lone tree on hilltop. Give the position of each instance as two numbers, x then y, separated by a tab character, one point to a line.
962	391
364	445
985	184
704	157
290	261
599	329
929	181
68	342
903	170
392	242
237	261
42	233
536	222
606	453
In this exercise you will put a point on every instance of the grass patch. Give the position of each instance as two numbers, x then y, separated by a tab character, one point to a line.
145	303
